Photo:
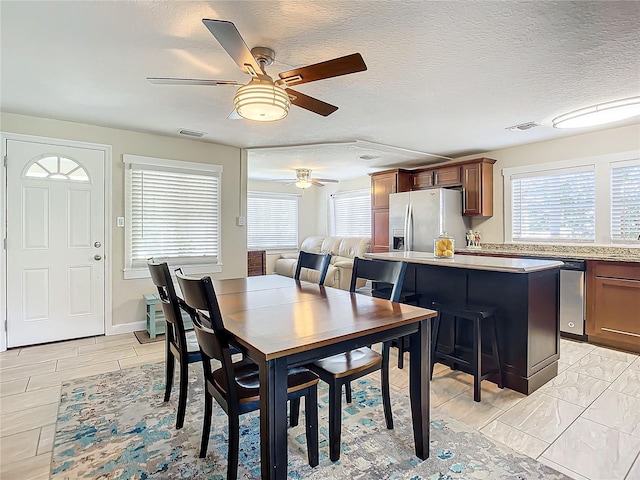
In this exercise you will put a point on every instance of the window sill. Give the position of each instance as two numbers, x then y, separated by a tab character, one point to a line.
143	272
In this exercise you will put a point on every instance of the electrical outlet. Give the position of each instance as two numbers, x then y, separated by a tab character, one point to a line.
120	222
240	221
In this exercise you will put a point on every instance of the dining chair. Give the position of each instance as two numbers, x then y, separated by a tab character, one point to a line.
236	386
313	261
344	368
180	345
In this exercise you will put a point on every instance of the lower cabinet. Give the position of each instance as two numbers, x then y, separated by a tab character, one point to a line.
613	304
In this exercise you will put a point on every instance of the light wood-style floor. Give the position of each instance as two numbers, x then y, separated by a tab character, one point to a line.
585	423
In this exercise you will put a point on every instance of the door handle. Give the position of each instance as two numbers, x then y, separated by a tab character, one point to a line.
97	257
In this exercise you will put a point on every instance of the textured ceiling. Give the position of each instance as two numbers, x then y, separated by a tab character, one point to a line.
443	77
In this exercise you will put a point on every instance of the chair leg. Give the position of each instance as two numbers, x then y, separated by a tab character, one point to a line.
206	425
182	399
496	354
335	420
311	424
400	352
434	342
294	411
347	392
169	367
386	400
477	359
234	446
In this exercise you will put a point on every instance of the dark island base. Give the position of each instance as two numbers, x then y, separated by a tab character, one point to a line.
527	316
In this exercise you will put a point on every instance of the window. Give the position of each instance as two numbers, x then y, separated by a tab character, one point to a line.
591	200
55	167
173	214
625	203
554	206
351	213
272	221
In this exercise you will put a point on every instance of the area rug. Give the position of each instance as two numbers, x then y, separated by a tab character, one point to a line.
116	426
143	337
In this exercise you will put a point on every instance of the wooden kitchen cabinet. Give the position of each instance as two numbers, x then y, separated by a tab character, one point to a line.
477	187
613	304
449	176
382	185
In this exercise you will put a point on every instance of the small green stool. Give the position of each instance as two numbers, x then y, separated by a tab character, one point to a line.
153	315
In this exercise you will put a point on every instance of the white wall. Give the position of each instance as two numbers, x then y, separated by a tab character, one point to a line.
615	140
127	305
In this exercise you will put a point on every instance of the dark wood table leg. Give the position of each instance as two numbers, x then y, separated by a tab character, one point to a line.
420	358
273	418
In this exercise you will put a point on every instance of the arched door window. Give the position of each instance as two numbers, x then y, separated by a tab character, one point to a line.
56	167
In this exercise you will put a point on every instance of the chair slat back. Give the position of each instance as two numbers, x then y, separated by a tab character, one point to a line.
313	261
170	303
212	337
379	271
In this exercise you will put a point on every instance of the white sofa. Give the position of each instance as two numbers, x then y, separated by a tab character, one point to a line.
342	249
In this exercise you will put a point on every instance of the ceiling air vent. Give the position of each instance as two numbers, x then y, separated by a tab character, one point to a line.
191	133
523	126
368	157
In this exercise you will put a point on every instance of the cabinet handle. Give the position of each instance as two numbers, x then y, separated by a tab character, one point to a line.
435	178
464	200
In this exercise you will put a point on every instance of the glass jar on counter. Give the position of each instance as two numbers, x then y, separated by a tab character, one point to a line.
444	246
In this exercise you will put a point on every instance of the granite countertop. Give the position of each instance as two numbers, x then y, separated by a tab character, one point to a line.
615	254
494	264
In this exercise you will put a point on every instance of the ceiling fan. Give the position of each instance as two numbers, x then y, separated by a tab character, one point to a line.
303	179
264	99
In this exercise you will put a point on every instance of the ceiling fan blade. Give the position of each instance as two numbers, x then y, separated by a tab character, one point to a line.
230	39
309	103
316	183
189	81
234	115
331	68
326	180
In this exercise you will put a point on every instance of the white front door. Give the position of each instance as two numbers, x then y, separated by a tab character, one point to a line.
55	242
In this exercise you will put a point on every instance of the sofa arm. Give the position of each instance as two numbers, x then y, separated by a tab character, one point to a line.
290	256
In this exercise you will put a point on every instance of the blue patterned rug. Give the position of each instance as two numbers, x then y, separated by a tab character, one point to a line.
116	426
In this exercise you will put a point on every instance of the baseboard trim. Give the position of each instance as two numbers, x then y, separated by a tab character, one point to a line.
121	328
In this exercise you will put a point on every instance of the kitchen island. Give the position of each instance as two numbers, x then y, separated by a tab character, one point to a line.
524	292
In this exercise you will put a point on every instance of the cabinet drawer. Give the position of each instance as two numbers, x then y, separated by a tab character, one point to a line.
617	270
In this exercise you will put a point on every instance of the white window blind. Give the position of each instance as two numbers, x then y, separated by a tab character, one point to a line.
352	213
272	220
173	214
551	206
625	203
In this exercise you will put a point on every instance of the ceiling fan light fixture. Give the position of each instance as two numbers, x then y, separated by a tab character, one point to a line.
599	114
303	183
262	100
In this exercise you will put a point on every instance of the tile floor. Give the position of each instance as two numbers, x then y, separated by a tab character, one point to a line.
585	423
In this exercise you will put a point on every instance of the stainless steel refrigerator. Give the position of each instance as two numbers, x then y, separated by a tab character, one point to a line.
416	218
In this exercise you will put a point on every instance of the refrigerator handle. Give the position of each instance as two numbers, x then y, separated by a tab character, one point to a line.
406	226
409	237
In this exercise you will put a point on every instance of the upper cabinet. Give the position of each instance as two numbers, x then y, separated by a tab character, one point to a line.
382	185
477	187
448	176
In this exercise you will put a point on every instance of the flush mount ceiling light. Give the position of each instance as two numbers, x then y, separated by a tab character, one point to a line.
599	114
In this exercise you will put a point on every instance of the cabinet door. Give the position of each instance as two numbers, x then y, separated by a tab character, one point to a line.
381	186
422	180
472	189
380	230
447	176
616	313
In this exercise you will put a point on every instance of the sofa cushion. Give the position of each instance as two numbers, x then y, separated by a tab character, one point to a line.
331	245
312	244
352	247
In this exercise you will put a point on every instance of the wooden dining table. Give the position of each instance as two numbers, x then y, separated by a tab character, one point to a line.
280	323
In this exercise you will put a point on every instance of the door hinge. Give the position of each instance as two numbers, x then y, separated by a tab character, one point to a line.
5	325
5	161
5	243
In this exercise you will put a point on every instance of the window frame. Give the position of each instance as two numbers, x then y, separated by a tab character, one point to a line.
163	164
602	165
282	248
361	192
